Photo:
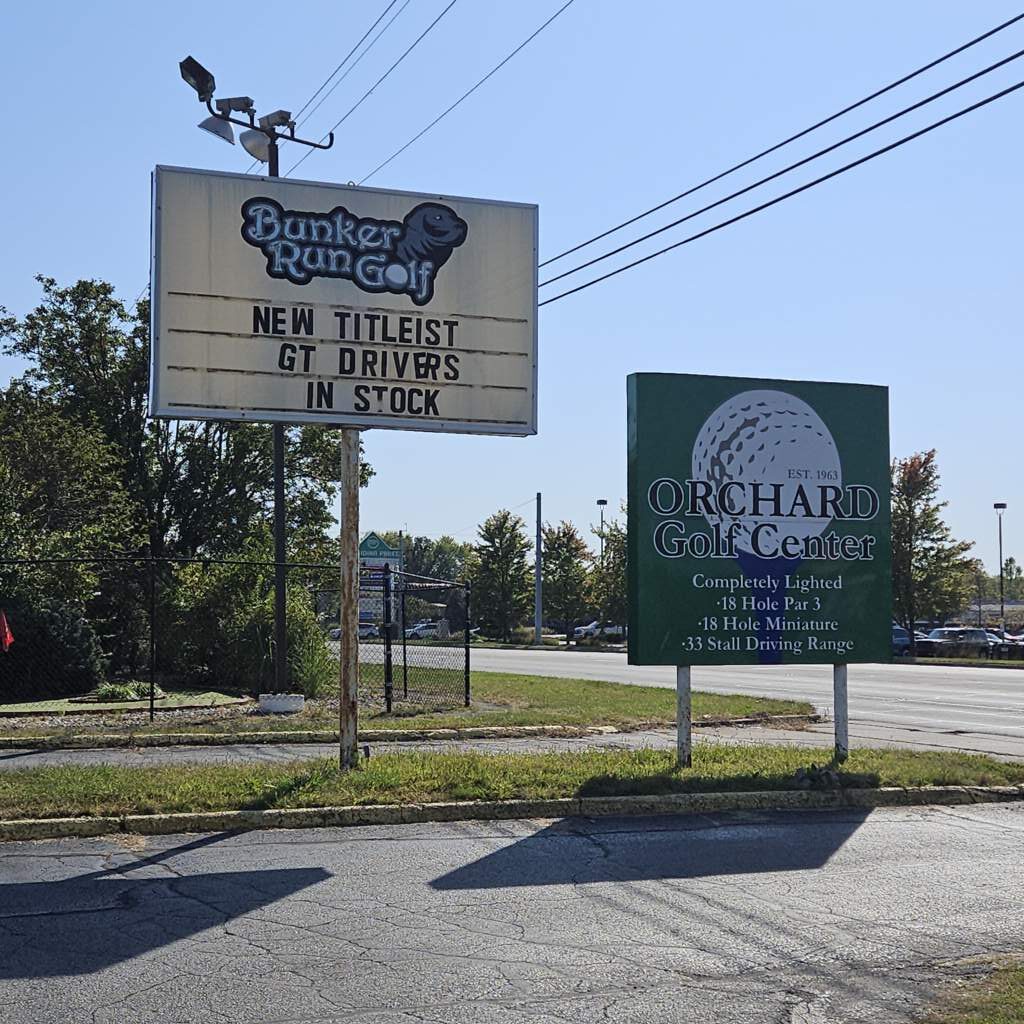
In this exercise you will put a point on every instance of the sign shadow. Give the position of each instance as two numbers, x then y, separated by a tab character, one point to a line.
81	925
576	851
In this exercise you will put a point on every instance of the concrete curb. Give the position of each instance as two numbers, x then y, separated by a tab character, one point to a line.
217	739
491	810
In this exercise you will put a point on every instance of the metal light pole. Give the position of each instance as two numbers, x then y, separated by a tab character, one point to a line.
1000	507
601	502
260	141
538	580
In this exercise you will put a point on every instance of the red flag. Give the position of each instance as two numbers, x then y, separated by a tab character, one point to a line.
6	636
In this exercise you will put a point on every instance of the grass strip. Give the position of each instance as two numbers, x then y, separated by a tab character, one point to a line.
498	699
92	790
997	998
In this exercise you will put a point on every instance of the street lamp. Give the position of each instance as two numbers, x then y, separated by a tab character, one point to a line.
601	502
260	141
1000	507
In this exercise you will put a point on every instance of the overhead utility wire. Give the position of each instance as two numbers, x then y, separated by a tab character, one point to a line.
786	170
345	59
792	192
467	93
792	138
348	71
369	46
369	91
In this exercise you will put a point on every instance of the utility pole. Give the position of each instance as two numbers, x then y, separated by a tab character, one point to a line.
601	502
538	579
1000	507
348	678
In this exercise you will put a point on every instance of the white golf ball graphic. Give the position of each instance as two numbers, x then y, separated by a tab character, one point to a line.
769	437
396	275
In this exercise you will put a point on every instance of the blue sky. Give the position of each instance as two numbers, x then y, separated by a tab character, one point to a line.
904	272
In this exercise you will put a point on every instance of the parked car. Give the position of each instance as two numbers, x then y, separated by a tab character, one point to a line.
366	631
999	646
596	628
955	642
423	630
900	641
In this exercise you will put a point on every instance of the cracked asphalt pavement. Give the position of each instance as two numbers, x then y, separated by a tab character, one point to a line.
810	918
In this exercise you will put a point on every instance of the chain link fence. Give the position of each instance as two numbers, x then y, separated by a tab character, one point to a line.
129	629
414	639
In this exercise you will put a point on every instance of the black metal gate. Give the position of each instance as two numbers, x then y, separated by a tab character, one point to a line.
414	640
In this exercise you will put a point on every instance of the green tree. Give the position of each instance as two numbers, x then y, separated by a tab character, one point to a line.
566	563
200	488
501	574
61	497
1013	580
932	574
440	559
608	576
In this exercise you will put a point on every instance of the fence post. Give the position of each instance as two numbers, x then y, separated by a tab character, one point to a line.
405	651
466	669
388	667
152	637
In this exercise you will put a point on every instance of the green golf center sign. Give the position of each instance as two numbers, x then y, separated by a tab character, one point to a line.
759	524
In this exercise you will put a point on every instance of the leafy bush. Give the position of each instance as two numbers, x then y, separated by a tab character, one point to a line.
222	630
55	652
523	635
134	689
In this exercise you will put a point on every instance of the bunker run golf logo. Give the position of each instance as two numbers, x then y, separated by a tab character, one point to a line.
401	257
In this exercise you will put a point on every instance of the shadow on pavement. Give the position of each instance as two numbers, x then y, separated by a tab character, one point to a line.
577	851
80	925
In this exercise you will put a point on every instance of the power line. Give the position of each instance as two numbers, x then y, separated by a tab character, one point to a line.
476	525
369	91
786	170
792	138
355	63
341	65
344	60
791	193
467	93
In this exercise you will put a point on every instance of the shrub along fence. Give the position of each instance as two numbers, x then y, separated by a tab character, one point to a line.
80	624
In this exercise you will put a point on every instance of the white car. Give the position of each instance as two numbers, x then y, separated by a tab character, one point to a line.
422	631
595	628
366	631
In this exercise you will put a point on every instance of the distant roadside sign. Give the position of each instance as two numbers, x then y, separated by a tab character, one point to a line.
300	302
759	521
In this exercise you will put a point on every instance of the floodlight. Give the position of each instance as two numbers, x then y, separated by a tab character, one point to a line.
218	127
240	104
198	77
999	506
256	144
278	119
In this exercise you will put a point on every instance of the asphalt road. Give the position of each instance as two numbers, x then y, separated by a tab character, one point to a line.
978	709
814	917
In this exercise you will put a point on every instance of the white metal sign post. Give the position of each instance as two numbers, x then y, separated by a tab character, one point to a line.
299	302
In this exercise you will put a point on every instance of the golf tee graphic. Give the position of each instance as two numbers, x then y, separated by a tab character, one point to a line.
758	521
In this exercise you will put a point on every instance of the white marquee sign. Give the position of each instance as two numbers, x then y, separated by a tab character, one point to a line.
302	302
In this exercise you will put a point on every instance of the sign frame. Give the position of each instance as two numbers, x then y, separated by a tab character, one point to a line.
332	418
